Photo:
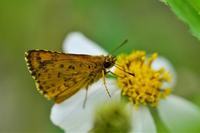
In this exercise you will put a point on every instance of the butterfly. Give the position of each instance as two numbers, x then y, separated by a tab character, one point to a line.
59	76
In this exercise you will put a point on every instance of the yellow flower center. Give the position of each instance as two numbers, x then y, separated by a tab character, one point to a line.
146	86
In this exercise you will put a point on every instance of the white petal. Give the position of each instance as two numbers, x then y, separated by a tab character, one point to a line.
142	121
70	114
178	113
77	43
60	113
162	62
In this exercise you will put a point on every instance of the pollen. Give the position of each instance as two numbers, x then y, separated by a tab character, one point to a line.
145	87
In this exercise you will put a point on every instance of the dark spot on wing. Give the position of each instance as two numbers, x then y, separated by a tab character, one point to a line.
71	67
65	79
44	92
47	87
41	88
38	58
33	73
39	75
58	75
74	81
44	63
65	85
61	65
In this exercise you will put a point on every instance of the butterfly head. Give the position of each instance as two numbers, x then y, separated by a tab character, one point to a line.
109	61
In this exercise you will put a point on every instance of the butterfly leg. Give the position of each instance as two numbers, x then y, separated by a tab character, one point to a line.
104	82
85	100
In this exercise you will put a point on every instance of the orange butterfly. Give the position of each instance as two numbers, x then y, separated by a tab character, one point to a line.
59	75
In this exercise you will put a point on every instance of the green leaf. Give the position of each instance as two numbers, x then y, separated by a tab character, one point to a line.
189	12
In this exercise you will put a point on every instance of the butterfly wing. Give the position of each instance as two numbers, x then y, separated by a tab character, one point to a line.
59	75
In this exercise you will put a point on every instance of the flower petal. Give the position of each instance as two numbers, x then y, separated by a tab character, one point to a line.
179	114
162	62
70	114
76	42
60	113
142	121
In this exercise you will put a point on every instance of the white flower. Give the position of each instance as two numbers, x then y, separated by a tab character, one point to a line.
72	117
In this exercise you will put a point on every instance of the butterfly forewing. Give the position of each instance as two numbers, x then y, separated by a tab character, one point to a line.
59	75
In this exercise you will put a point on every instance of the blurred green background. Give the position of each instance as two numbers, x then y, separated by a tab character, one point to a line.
43	24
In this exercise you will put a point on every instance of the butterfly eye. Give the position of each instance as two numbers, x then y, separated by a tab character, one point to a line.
107	64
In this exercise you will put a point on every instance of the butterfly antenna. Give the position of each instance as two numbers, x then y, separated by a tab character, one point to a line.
122	44
120	68
114	74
